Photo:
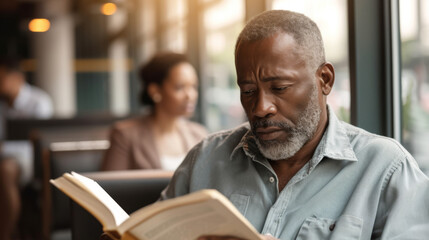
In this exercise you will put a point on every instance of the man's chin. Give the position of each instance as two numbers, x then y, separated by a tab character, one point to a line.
277	140
279	149
266	144
269	148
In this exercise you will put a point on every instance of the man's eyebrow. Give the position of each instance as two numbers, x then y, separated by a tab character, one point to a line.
276	78
265	79
244	81
269	79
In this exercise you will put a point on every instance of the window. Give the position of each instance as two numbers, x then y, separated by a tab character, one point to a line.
223	21
331	18
173	25
414	33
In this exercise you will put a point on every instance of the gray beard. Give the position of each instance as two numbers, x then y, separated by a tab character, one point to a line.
297	136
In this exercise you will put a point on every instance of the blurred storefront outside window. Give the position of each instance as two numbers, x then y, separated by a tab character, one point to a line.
223	21
414	32
331	18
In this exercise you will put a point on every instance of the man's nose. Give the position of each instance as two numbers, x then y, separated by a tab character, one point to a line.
264	106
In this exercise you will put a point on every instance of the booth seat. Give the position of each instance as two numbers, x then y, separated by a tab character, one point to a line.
132	190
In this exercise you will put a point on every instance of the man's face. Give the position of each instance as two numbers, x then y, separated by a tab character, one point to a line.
279	94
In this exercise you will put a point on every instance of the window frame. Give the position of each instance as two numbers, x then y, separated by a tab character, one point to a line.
374	76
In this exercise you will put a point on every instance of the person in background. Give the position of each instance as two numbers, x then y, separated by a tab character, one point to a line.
161	138
18	99
295	171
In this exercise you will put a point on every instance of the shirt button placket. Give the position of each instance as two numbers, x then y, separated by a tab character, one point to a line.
271	223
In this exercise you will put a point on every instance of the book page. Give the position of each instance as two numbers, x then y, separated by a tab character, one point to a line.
91	196
189	219
87	201
98	192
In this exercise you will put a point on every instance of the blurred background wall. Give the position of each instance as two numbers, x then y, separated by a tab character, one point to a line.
85	53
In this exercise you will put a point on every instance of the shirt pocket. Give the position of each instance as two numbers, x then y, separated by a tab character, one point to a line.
240	202
346	227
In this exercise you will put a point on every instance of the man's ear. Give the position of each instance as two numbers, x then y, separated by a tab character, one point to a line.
326	75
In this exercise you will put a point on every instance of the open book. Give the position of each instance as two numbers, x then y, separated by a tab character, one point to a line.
206	212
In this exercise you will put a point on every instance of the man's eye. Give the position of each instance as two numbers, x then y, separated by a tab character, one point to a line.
279	89
247	92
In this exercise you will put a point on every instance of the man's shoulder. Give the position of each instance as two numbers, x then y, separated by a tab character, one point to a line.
31	102
367	144
37	94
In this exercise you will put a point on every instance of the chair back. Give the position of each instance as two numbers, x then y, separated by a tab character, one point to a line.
61	157
132	190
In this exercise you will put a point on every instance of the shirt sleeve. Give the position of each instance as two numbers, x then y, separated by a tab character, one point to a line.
405	204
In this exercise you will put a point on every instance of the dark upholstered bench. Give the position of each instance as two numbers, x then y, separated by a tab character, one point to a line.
130	189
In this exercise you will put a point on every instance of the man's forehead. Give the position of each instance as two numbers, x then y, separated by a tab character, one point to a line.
277	44
275	50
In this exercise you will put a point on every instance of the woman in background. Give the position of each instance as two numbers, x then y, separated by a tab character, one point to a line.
160	139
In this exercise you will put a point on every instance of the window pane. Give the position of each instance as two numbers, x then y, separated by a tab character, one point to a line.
333	27
223	21
414	24
173	25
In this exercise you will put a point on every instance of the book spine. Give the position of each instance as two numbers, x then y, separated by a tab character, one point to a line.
114	235
129	236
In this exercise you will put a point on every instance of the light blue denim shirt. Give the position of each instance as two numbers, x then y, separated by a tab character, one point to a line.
358	185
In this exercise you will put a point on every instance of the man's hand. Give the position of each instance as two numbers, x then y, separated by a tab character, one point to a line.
265	237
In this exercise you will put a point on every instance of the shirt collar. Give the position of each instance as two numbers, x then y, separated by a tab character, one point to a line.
248	144
334	144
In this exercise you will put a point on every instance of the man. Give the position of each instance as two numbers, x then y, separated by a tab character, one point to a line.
21	100
295	171
17	100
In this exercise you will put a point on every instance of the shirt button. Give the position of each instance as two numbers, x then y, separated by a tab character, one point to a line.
272	179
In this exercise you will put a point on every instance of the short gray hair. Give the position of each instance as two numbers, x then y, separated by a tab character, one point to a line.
303	30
